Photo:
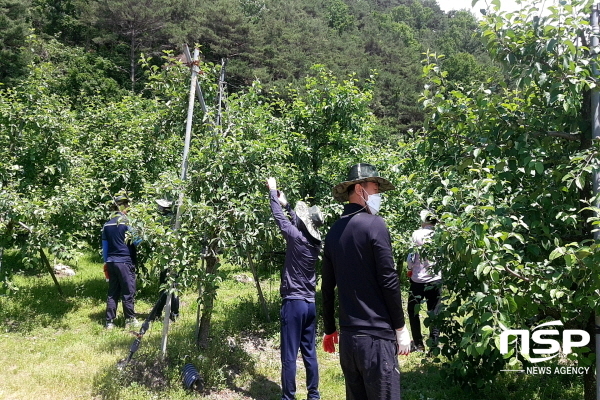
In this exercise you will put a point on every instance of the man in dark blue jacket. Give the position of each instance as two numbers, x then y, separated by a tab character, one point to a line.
358	260
119	253
298	284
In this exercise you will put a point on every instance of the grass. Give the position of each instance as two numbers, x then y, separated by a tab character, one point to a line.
54	347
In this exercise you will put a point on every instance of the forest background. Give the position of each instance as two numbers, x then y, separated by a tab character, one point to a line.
485	122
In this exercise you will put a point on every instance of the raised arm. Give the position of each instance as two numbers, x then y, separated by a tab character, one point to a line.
288	229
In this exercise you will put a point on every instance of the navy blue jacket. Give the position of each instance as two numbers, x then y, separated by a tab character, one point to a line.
114	244
358	260
298	278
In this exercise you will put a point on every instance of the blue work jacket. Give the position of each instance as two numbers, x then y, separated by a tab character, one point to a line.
298	277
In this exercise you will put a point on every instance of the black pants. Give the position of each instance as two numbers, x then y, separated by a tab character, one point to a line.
163	299
370	367
121	285
419	292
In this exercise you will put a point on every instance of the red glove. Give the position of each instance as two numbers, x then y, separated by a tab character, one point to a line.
106	272
409	273
329	342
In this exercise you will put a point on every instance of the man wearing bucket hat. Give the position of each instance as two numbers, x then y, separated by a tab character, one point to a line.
358	260
298	284
425	283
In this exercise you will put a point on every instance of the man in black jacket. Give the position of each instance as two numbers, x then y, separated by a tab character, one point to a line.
358	260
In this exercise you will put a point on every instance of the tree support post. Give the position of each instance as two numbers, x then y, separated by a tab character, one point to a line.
45	262
184	167
199	301
50	270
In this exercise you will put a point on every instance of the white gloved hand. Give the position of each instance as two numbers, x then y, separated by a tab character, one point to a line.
403	341
272	183
281	197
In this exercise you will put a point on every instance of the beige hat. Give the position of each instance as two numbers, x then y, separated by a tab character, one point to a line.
360	173
311	217
427	216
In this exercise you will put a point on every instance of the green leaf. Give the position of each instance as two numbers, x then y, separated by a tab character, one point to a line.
495	276
465	340
539	167
570	259
559	251
486	316
512	304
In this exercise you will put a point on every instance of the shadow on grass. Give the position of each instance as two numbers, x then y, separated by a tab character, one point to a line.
40	305
223	365
35	306
239	338
239	334
263	389
246	314
240	331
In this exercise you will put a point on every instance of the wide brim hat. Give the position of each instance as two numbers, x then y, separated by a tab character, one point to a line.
164	203
427	216
121	200
310	217
360	173
165	207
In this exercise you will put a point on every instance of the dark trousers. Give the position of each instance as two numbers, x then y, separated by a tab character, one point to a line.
298	325
120	285
370	367
163	299
419	292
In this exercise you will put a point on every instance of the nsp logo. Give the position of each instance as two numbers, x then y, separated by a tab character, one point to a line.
536	336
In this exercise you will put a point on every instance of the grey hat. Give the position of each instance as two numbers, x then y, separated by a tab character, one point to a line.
427	216
165	207
311	217
120	198
360	173
164	203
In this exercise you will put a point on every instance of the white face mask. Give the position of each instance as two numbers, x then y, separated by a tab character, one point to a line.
373	202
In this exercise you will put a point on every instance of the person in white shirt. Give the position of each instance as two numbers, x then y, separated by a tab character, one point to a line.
425	283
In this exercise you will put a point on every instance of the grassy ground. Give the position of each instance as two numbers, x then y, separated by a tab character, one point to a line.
54	347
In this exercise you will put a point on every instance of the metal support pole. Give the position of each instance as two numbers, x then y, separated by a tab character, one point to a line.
596	176
188	56
184	166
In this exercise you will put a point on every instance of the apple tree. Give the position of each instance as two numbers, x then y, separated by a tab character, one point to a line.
510	167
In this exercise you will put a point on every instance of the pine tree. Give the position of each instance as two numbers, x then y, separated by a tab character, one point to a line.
14	29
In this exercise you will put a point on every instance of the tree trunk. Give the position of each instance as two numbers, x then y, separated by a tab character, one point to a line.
208	299
261	297
132	60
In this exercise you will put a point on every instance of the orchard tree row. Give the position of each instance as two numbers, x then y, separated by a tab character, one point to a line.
506	165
